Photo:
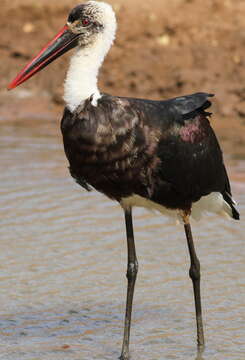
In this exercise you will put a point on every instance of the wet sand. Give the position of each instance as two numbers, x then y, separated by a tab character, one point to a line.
63	263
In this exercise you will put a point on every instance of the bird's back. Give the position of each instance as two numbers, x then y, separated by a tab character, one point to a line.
163	151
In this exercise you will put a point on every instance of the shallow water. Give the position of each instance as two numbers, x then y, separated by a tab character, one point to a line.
63	263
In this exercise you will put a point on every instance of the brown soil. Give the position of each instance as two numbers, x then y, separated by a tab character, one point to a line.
163	49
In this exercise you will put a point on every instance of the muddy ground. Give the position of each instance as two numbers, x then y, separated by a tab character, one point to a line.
163	49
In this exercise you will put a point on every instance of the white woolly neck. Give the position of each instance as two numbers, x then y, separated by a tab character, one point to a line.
82	75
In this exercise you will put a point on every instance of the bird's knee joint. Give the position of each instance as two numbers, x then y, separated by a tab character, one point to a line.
194	271
132	270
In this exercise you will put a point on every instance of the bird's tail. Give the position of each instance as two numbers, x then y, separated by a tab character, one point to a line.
227	196
228	199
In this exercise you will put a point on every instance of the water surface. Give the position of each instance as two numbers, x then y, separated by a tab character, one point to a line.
63	263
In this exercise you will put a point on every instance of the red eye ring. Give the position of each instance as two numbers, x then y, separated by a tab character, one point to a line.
85	22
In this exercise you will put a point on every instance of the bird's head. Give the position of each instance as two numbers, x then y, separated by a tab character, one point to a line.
86	24
91	20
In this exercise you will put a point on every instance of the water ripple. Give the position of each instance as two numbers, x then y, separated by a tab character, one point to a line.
63	262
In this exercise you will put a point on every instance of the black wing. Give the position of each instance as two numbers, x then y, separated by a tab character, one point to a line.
191	163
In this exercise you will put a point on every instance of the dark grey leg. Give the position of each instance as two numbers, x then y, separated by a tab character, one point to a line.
131	276
194	273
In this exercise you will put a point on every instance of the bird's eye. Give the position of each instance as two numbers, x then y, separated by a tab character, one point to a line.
85	22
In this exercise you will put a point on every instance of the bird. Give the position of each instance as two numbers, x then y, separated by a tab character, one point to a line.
161	155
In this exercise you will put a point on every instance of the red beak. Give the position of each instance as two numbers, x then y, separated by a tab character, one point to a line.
61	43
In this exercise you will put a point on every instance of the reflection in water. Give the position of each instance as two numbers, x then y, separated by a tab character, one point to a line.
63	263
200	351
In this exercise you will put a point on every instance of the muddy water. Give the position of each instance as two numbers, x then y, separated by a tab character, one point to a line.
63	260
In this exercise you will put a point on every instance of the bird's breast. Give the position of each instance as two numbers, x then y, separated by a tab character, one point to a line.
112	151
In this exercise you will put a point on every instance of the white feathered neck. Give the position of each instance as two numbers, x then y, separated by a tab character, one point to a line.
82	75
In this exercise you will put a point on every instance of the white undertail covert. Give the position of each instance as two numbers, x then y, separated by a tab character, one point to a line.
212	203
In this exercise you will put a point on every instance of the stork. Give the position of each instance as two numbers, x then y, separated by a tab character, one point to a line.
161	155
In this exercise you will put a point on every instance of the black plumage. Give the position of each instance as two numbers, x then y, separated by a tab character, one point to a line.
164	151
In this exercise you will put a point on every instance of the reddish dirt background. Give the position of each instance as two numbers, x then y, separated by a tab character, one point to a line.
163	49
